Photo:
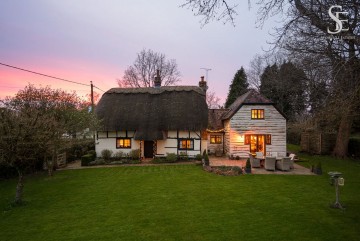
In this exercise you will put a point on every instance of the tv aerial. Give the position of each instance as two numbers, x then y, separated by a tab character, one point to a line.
206	71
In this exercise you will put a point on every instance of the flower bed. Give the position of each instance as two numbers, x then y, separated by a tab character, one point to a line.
225	170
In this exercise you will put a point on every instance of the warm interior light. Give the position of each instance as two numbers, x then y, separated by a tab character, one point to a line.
241	138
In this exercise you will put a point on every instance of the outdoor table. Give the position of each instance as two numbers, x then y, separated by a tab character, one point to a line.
262	160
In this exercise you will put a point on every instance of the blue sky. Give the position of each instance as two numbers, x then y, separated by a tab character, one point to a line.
93	40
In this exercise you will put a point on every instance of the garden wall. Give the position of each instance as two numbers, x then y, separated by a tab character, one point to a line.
317	142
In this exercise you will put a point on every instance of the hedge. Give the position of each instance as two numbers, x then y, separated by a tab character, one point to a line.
354	147
86	159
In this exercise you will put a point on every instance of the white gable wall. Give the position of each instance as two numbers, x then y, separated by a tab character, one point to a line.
241	124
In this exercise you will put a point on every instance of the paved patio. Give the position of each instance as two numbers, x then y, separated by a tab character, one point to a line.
223	161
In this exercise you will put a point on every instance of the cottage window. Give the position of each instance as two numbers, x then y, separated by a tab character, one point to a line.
247	139
268	139
257	114
215	139
123	143
186	144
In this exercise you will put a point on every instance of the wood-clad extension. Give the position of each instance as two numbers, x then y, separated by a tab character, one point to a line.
252	123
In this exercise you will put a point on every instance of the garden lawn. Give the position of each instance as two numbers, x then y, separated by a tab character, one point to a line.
181	203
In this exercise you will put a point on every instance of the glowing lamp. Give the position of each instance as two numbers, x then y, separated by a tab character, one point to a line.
241	138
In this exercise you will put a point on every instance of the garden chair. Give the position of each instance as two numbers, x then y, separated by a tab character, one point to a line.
283	164
292	160
259	155
270	163
254	161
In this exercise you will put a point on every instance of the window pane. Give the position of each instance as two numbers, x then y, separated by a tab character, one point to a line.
186	144
257	114
127	143
123	143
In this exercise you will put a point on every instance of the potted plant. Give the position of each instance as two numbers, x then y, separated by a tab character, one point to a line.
206	160
248	166
318	169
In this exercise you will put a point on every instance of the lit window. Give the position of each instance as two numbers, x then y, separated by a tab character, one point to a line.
123	143
257	114
247	139
215	139
186	144
268	139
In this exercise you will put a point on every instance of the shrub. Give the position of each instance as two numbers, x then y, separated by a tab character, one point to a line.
158	160
293	136
171	157
97	162
116	162
354	147
198	157
136	161
118	155
106	154
134	154
92	152
318	169
86	159
248	165
237	170
7	172
80	148
183	156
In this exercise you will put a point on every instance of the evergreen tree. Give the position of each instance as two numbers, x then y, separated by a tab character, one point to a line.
285	86
268	83
239	86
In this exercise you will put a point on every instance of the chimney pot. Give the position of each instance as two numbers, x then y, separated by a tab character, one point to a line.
157	81
202	84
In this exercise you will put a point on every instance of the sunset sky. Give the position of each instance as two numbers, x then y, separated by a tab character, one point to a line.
92	40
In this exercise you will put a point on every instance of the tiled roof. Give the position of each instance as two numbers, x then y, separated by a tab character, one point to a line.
250	97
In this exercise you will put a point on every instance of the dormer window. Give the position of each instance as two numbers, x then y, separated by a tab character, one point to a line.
257	114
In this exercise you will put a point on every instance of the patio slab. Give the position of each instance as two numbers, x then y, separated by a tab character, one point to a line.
222	161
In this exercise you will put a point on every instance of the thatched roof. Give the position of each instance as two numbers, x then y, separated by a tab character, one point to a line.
151	111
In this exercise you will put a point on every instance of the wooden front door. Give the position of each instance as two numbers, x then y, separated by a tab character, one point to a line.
257	143
148	149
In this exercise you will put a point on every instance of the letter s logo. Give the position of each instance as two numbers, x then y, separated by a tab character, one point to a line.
336	18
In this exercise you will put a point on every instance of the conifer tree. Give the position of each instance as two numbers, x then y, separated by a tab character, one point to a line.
239	86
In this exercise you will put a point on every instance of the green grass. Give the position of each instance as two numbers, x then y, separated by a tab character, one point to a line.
181	203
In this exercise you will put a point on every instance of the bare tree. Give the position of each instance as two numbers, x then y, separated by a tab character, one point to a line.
309	29
142	72
212	100
212	10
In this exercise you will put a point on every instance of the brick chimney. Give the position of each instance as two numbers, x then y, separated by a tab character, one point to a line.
202	84
157	81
